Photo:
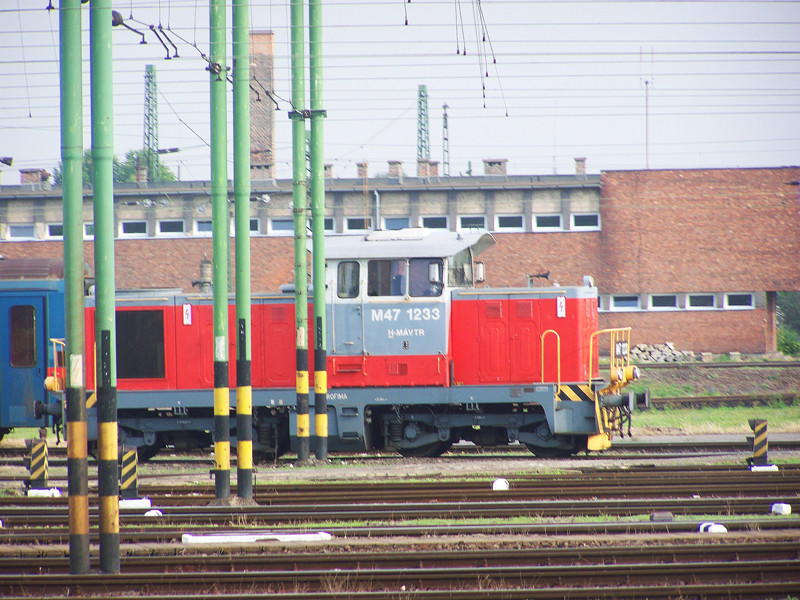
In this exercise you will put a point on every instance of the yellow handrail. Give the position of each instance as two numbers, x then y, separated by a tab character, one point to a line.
620	345
558	354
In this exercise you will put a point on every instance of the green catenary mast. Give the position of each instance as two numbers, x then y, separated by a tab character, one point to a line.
219	242
105	318
298	115
241	193
318	227
69	14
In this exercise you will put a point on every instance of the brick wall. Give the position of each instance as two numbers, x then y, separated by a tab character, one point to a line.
700	230
701	331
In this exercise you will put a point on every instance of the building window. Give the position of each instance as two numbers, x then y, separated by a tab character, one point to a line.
22	336
88	231
202	227
738	300
701	301
472	222
394	223
133	228
626	302
55	230
347	279
170	228
547	222
21	232
434	222
587	221
281	227
358	224
255	226
664	302
509	223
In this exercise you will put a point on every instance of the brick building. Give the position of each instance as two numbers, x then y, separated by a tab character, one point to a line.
694	257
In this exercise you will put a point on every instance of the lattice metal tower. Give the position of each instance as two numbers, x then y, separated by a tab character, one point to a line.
151	123
423	137
445	143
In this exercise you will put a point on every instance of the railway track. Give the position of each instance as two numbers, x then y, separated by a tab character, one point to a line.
460	540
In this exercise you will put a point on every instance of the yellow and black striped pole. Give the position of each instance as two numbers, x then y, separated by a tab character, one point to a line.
244	418
241	193
37	464
71	118
300	209
107	461
303	419
318	226
760	456
220	233
128	473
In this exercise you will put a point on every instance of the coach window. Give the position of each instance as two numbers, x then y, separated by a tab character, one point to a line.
140	344
425	277
347	279
22	339
386	278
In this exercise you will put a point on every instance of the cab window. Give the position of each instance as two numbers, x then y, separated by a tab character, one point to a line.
425	277
347	279
386	278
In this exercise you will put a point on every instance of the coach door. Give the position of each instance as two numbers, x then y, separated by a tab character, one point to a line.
22	359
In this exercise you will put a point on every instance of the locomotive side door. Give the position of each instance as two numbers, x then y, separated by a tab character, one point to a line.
22	359
345	321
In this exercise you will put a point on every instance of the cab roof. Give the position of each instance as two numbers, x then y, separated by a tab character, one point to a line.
406	243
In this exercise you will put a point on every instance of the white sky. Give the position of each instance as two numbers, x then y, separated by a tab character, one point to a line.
724	83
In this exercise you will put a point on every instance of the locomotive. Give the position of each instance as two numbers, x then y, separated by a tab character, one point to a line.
420	355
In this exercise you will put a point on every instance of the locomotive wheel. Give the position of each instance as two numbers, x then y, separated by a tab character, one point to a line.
546	452
428	451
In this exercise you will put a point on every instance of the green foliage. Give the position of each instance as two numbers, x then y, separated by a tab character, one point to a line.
789	310
123	172
788	341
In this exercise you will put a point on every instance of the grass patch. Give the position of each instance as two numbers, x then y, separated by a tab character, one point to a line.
781	418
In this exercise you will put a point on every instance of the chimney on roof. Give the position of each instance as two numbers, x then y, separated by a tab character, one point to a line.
423	167
396	169
141	175
580	166
494	166
363	169
33	175
328	168
433	168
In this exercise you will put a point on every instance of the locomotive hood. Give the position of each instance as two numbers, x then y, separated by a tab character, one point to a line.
410	243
